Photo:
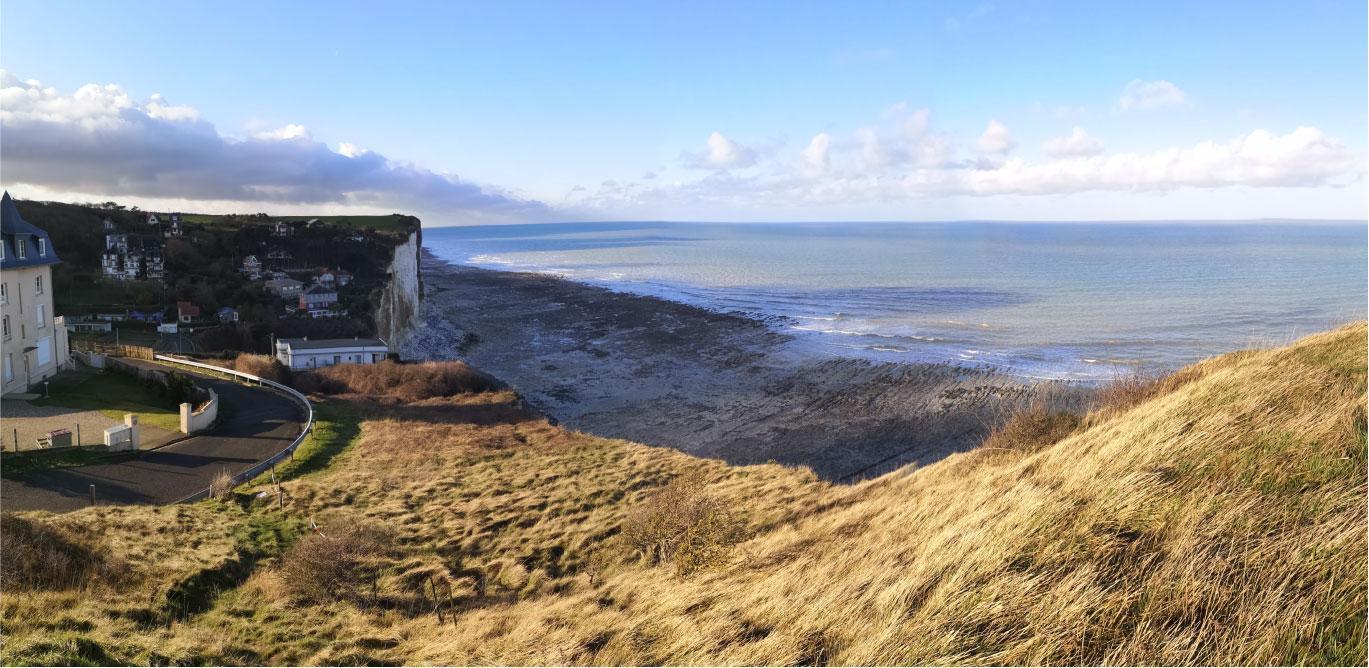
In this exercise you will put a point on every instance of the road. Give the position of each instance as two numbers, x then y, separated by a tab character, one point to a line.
254	423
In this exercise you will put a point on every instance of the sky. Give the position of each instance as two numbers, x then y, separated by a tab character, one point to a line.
466	113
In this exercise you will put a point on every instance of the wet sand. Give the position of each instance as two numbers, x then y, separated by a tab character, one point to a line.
712	384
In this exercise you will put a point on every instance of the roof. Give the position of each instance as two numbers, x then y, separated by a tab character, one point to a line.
16	232
227	309
282	282
317	344
317	289
187	308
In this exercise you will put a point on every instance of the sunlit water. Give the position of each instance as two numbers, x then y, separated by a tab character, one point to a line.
1068	300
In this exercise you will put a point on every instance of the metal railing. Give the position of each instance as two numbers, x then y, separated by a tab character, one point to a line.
263	466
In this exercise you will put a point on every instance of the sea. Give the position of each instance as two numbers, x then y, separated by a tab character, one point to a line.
1071	301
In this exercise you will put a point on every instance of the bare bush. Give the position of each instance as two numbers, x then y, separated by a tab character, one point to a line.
34	555
221	487
262	366
340	561
1129	390
408	382
683	525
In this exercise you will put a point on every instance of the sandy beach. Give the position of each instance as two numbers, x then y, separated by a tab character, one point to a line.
712	384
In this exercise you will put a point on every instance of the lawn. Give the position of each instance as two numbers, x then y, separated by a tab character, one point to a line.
115	394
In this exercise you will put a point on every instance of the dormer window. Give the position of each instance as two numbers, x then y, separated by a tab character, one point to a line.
42	247
19	246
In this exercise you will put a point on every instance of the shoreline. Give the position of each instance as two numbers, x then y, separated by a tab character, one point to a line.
712	384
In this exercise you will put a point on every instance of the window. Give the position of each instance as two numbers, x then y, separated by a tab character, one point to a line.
42	316
4	293
9	364
42	247
7	327
19	247
38	284
44	352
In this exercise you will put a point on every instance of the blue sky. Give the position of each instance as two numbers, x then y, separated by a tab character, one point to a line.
559	110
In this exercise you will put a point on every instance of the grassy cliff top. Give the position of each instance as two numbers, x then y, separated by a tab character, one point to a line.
1216	517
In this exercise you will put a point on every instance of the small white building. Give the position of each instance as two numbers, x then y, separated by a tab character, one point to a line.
314	353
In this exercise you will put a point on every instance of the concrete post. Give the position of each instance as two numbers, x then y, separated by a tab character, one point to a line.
131	421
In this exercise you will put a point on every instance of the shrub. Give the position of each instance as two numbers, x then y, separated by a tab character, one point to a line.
341	561
683	525
222	485
408	382
1031	428
1126	391
34	555
262	366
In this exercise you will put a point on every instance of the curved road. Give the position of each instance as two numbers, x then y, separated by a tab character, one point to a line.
254	423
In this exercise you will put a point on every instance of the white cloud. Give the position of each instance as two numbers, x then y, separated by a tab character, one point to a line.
1078	144
815	157
872	152
995	140
295	131
99	141
1141	95
721	153
917	123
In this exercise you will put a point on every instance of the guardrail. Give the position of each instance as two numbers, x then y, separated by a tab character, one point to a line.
263	466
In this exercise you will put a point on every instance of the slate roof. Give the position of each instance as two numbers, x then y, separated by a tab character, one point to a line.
14	232
315	344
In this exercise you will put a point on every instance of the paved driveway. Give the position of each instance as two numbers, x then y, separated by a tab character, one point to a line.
254	423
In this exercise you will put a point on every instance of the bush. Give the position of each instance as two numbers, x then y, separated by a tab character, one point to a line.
262	366
408	382
34	555
341	561
1129	390
682	524
1031	428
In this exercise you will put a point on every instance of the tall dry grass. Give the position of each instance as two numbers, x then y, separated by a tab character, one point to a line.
407	382
1217	520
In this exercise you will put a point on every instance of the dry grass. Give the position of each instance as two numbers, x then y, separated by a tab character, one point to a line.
1217	520
340	563
407	382
222	485
262	366
38	556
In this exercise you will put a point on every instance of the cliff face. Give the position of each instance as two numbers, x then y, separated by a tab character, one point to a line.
401	303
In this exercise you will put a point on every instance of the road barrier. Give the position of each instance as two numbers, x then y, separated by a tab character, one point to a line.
263	466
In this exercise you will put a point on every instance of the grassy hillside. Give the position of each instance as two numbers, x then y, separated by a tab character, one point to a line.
1215	517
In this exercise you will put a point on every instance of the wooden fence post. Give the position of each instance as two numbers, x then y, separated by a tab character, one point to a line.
92	495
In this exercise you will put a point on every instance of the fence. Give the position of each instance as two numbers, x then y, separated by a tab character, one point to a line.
264	466
113	349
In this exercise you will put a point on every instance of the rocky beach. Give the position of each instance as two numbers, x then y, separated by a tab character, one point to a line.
721	385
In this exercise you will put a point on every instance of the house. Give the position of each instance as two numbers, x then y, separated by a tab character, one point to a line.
132	257
327	279
288	288
186	312
281	229
152	219
252	267
146	316
228	314
154	266
343	277
173	227
34	346
318	301
108	225
311	354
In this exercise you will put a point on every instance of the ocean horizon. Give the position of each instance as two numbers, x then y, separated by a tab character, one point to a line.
1075	300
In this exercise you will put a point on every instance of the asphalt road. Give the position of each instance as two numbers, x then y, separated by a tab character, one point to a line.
254	423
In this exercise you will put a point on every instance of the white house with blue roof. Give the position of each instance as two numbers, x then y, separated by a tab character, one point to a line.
34	338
